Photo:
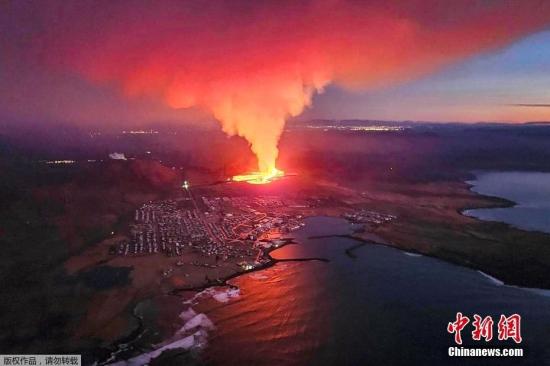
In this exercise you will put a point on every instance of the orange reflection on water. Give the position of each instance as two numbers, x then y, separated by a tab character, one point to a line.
281	317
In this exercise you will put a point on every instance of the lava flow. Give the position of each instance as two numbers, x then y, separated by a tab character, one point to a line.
260	177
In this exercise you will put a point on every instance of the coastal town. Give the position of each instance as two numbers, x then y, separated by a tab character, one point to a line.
226	228
215	231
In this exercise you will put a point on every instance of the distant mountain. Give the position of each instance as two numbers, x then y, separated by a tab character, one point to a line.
410	123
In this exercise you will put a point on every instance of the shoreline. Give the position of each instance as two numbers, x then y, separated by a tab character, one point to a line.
504	203
121	345
270	261
136	333
500	202
363	242
349	251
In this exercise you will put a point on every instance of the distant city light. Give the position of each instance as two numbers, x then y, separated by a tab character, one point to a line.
247	266
185	185
140	132
371	128
117	156
60	161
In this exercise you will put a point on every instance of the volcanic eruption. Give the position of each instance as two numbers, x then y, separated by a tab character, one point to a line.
253	64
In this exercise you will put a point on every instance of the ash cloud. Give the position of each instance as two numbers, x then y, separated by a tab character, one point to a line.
253	64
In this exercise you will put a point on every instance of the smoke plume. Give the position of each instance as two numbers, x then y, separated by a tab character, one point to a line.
252	64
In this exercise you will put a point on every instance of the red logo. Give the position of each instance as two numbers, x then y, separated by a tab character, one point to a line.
457	326
483	328
508	327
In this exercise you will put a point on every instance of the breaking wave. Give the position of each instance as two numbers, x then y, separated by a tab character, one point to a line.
192	336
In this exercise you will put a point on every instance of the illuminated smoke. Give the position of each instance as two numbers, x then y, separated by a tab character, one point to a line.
254	107
252	64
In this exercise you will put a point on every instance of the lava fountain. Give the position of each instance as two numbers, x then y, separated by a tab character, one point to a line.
259	177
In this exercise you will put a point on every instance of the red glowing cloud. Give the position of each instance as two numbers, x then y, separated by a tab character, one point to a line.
252	64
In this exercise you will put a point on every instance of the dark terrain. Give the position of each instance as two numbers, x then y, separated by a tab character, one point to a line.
50	212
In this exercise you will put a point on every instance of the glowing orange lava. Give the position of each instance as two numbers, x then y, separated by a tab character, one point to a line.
259	177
